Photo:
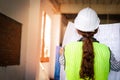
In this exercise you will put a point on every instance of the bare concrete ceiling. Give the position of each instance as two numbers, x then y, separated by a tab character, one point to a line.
74	6
70	8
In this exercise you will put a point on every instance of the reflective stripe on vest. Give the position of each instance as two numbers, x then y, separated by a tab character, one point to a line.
73	58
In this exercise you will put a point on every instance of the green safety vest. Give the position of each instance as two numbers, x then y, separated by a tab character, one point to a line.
73	58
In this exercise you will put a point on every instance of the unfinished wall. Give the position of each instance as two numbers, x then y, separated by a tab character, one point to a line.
55	35
27	13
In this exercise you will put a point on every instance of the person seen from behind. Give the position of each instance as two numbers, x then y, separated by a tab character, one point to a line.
87	59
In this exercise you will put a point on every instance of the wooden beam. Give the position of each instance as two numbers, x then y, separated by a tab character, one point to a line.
99	8
56	5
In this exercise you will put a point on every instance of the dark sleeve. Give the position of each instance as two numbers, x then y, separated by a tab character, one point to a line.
115	65
62	58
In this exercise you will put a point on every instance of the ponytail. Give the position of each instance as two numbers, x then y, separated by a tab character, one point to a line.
87	66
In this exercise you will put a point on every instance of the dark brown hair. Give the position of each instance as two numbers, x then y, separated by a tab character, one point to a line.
87	66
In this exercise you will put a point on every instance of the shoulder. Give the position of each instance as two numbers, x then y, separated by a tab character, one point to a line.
100	44
74	43
101	47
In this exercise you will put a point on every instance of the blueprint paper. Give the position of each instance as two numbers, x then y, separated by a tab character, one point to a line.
70	34
62	73
108	34
57	64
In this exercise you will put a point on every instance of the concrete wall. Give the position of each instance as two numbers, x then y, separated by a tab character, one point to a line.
33	41
27	13
55	35
55	41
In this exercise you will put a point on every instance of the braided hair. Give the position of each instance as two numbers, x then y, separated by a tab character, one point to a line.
87	66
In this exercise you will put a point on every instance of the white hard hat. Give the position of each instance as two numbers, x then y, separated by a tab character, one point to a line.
87	20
